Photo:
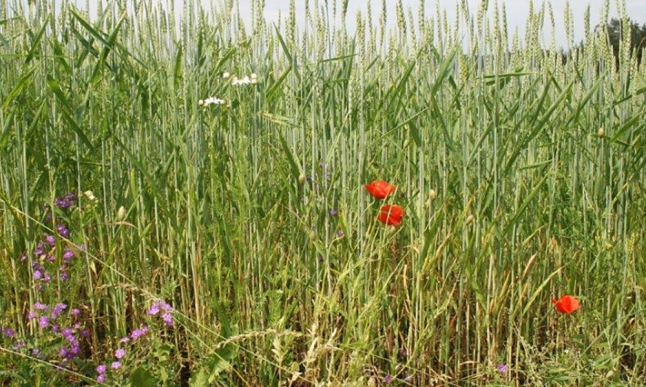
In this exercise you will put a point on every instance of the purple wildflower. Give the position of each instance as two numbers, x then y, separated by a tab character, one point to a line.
388	379
100	378
502	368
64	276
71	197
63	352
137	333
120	353
334	212
56	327
153	310
75	312
67	332
32	315
43	321
50	239
40	306
68	255
37	275
62	230
85	333
35	351
19	344
124	339
168	319
63	203
100	369
116	365
8	332
340	233
403	352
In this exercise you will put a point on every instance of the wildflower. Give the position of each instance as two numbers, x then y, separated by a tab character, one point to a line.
334	212
62	230
8	332
19	344
40	306
237	82
340	233
67	332
85	333
137	333
388	379
64	276
380	189
75	312
63	203
37	275
213	100
63	352
168	319
100	369
153	310
100	378
403	352
43	322
391	214
502	368
124	339
567	304
116	365
68	255
90	195
120	353
32	315
58	309
35	352
601	133
50	239
226	75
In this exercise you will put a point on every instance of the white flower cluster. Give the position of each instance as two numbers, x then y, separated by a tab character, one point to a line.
244	81
211	100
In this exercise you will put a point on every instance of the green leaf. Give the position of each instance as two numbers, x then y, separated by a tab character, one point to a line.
141	377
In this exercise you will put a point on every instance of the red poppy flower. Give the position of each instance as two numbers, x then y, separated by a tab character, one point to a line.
380	189
567	304
391	214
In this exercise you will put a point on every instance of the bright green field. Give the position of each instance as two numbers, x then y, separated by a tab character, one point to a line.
521	172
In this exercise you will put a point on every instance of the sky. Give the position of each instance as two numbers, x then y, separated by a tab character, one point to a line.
517	11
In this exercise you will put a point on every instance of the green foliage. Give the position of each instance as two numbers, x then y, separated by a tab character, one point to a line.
521	174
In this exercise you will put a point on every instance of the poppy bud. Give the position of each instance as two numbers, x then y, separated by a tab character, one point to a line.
121	213
432	195
301	178
601	133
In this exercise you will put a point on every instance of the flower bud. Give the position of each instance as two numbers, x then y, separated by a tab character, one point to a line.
432	195
226	75
601	133
90	195
121	213
301	178
470	219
